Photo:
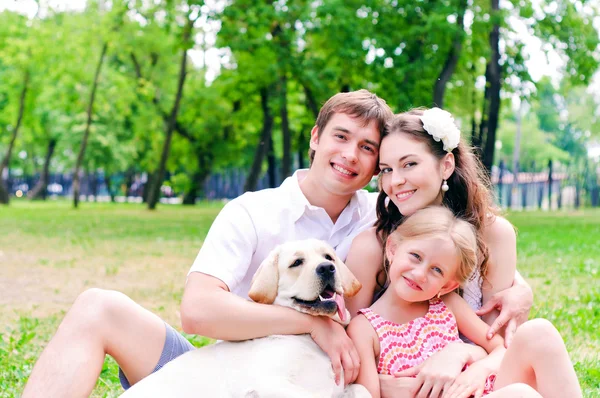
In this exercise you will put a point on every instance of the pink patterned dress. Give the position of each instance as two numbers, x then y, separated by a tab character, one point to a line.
408	345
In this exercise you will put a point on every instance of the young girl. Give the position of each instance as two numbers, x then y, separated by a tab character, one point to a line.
430	255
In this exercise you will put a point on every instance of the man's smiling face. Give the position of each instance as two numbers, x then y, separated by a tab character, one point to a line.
346	153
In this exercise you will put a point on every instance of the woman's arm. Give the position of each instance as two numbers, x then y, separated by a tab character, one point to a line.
364	260
367	344
507	298
472	381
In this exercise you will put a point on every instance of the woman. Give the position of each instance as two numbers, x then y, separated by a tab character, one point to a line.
424	162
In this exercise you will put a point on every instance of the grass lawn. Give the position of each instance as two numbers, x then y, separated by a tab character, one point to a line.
50	253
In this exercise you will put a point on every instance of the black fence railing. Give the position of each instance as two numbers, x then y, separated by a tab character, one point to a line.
532	190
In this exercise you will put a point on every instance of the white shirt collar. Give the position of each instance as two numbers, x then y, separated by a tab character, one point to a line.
299	203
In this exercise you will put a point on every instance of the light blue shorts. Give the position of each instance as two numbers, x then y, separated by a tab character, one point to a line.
175	345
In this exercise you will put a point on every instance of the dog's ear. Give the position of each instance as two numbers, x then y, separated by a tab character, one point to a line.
266	280
350	284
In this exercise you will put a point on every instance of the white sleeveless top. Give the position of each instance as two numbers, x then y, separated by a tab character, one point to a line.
472	292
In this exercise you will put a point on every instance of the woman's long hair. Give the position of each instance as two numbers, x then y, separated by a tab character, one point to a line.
469	195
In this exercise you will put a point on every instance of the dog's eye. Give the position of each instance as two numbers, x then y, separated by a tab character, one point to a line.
297	263
328	257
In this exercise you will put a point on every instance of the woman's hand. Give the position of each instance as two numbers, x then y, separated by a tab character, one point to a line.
514	304
471	382
439	371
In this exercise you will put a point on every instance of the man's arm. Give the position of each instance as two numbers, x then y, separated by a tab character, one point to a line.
209	309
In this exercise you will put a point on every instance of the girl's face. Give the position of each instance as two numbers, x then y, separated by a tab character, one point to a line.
422	268
411	175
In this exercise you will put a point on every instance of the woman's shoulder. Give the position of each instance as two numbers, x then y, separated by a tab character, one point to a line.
498	228
368	242
365	257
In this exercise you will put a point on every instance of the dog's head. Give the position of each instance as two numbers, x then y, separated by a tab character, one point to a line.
308	276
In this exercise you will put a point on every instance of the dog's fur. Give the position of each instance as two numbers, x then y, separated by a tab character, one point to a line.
301	275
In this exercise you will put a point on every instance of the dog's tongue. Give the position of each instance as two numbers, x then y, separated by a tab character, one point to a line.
341	307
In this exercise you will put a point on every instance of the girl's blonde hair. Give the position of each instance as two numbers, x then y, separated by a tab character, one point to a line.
439	221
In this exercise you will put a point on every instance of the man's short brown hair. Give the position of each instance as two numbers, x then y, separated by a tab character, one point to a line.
360	104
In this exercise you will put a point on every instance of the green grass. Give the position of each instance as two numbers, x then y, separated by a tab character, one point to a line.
49	253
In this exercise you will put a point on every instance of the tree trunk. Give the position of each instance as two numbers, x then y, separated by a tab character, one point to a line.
440	84
228	129
108	184
93	181
4	191
311	102
263	144
474	136
494	79
200	175
40	191
147	187
129	174
286	162
154	194
86	134
517	152
302	146
189	198
272	165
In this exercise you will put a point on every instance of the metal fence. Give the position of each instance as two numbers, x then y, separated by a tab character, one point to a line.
547	190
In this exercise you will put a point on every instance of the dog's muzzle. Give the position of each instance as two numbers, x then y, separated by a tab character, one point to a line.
326	273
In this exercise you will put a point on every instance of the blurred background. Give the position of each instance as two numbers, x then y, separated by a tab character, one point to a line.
149	100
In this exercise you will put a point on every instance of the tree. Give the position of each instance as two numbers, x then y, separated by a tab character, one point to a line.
154	194
4	196
86	134
17	50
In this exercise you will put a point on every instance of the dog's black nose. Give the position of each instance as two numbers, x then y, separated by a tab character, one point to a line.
325	270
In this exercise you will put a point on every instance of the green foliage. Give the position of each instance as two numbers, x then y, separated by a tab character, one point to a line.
536	145
16	358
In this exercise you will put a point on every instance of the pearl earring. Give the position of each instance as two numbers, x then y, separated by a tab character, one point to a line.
445	186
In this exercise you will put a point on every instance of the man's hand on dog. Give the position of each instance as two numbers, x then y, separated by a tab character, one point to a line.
333	340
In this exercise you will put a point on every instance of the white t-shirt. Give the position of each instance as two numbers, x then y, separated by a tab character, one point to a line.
250	226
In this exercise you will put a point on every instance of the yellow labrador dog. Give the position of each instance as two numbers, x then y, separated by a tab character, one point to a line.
304	275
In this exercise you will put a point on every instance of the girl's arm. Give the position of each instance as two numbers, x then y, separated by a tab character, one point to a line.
364	260
367	344
475	330
473	380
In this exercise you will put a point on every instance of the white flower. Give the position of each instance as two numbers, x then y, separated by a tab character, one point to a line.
440	125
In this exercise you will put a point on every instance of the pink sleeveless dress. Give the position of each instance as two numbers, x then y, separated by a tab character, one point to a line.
408	345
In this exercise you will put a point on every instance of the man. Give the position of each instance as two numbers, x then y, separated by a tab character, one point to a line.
323	202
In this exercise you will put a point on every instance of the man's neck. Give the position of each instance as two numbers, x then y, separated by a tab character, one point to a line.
316	195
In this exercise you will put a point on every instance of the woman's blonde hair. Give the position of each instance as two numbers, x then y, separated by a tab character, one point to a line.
439	221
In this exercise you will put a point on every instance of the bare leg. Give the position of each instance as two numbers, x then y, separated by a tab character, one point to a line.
538	357
517	390
100	322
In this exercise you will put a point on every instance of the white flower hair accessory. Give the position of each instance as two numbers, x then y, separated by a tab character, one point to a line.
440	125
